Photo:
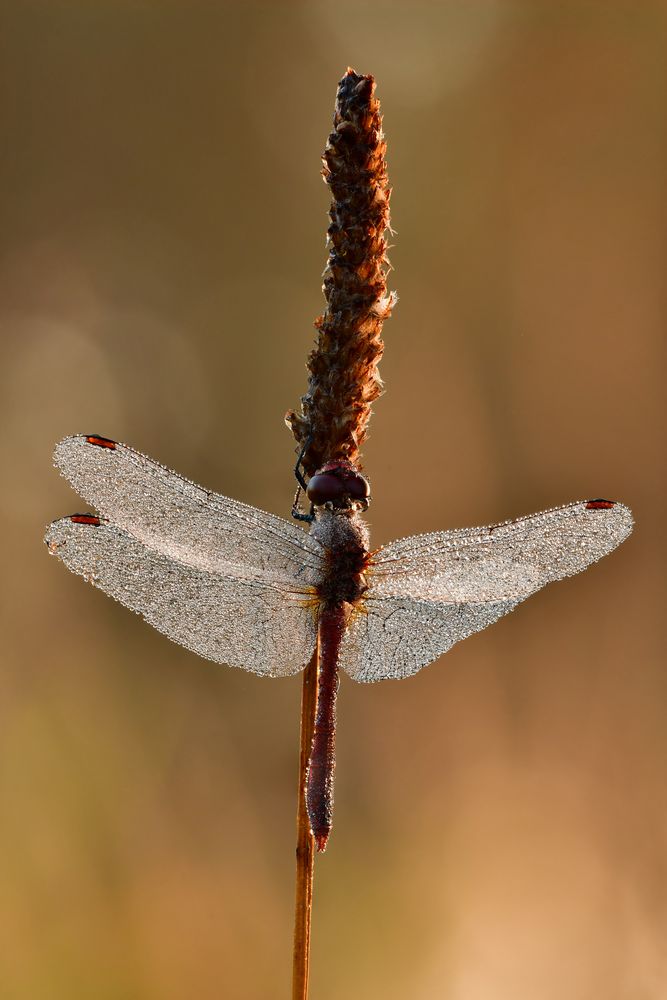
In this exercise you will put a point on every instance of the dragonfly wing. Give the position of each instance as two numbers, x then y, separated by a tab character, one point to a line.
180	519
394	637
261	624
429	591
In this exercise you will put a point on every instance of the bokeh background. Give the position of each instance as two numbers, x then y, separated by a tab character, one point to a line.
500	826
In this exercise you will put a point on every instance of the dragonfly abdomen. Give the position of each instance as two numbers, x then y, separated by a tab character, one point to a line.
322	761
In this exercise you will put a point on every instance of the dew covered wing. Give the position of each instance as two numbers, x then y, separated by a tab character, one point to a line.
262	625
230	582
429	591
184	521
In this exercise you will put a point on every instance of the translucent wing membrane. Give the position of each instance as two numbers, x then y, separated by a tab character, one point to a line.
239	586
394	637
224	579
181	520
260	624
429	591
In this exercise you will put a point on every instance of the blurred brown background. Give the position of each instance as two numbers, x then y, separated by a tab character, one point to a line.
500	823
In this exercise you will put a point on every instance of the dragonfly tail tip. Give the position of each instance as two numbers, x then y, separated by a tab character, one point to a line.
321	841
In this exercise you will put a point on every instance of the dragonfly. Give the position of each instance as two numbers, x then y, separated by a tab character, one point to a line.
243	587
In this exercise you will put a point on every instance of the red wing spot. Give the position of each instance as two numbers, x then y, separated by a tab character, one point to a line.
101	442
600	505
85	519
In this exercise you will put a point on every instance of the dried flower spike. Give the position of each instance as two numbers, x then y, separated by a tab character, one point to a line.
344	378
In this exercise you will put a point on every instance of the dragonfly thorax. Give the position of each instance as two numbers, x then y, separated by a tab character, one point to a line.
339	486
344	537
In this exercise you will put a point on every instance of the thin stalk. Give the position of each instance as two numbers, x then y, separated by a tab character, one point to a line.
305	842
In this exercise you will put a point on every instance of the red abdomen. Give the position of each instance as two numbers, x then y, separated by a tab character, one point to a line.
322	761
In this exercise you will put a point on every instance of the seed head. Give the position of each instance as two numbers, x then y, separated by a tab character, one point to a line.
343	366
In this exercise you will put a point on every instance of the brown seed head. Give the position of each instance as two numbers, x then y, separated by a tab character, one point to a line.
343	366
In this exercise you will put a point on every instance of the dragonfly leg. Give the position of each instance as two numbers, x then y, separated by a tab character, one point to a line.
299	515
303	485
297	468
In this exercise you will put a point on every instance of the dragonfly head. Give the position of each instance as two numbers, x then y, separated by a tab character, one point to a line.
339	486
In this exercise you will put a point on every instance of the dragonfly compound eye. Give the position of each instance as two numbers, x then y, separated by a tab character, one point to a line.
339	484
357	487
325	487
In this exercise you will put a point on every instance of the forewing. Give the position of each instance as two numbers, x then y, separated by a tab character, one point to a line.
429	591
180	519
264	625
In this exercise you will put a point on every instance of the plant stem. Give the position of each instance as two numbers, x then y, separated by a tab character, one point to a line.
343	383
305	842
